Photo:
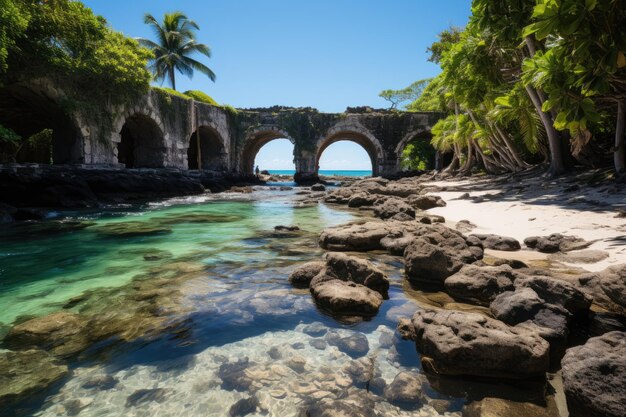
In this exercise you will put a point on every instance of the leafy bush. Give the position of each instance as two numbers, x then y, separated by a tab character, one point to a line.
201	97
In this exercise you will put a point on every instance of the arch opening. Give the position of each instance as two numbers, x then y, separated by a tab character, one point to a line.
258	140
370	145
345	157
142	144
208	153
276	155
415	153
48	135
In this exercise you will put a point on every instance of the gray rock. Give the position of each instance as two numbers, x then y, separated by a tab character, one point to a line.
318	187
361	370
362	200
318	344
503	243
556	242
480	285
406	329
430	264
347	298
594	377
360	271
425	202
457	343
392	206
555	291
613	283
302	276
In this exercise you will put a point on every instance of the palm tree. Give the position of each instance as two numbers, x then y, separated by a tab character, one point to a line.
176	41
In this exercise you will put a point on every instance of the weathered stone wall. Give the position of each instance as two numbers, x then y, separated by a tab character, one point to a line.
156	131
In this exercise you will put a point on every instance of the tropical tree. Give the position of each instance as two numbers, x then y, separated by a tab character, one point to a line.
175	43
583	72
410	93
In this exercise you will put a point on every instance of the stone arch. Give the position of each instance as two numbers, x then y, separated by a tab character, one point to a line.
408	138
141	141
255	139
29	109
213	153
354	133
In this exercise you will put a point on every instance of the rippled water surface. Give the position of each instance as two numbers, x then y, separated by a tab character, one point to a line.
226	325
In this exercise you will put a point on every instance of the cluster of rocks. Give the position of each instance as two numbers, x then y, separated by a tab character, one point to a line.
400	200
343	284
531	312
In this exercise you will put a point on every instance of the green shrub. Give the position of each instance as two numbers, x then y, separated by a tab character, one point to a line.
171	92
201	97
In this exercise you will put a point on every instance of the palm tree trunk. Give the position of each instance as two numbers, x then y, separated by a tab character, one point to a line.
620	128
172	78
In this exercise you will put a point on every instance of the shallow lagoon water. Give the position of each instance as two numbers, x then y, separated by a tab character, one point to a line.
245	331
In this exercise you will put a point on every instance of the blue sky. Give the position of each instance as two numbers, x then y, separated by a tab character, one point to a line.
327	54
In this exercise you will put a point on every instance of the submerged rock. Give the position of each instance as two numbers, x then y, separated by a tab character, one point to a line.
131	229
354	345
143	396
60	333
594	377
24	373
406	390
244	407
457	343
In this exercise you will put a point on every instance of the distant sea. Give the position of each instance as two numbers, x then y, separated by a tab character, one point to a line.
326	172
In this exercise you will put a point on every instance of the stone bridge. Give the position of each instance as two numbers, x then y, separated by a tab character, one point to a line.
160	130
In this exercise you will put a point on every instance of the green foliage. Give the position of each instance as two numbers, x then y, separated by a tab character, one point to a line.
410	93
168	91
446	38
13	23
584	68
175	43
433	98
9	136
201	97
63	40
417	155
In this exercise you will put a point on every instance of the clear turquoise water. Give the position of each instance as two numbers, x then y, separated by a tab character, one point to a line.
238	308
327	172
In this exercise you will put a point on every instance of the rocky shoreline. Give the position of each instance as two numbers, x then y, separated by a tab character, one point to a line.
529	320
28	192
481	321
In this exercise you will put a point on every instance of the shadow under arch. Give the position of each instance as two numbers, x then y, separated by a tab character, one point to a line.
142	143
209	153
255	140
367	141
29	110
421	134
